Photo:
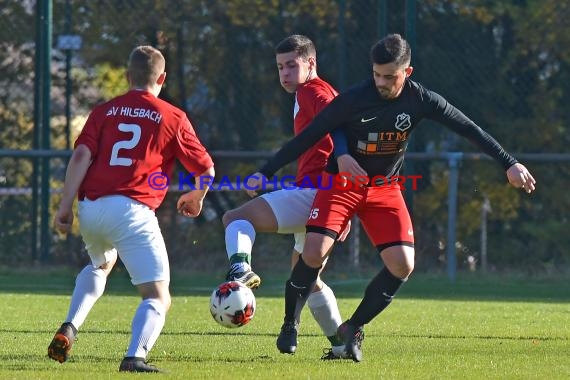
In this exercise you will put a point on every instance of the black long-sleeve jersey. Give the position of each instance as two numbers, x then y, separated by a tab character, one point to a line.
378	130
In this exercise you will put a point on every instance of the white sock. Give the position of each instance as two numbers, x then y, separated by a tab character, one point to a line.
324	308
240	236
146	327
89	286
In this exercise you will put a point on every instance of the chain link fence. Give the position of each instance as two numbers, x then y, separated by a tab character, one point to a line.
504	63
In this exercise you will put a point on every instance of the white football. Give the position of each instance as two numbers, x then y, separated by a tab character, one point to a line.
232	304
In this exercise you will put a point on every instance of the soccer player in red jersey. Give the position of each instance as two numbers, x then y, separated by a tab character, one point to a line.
125	144
285	211
378	117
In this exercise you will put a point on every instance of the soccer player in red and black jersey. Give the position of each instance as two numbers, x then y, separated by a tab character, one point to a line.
285	211
118	172
377	118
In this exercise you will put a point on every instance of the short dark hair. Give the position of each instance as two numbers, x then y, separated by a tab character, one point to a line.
391	49
145	65
298	43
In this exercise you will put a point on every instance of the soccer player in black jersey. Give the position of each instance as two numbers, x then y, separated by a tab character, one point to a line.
377	117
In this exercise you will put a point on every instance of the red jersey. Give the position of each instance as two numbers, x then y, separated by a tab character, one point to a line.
310	99
133	136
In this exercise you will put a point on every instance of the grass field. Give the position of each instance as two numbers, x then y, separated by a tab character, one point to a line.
478	328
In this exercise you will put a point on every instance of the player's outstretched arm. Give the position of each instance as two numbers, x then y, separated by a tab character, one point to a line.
190	204
76	171
520	177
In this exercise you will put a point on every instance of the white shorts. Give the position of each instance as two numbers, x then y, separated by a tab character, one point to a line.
291	208
118	224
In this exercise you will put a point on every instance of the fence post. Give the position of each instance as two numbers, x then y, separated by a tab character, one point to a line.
355	242
342	48
485	209
410	166
382	18
453	161
38	80
46	32
68	87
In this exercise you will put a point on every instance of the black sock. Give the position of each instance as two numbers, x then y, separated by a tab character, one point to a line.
298	288
377	297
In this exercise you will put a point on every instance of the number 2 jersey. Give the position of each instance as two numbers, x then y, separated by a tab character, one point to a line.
134	140
378	130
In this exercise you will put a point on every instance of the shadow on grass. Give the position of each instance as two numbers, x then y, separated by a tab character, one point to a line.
468	286
251	333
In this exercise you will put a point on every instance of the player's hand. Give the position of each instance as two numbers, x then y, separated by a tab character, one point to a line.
344	233
190	204
63	220
348	165
254	183
520	177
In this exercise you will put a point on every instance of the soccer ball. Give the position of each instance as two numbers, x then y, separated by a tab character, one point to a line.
232	304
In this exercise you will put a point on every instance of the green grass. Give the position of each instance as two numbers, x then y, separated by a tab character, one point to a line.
477	328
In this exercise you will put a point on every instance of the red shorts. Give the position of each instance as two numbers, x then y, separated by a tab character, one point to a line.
381	210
